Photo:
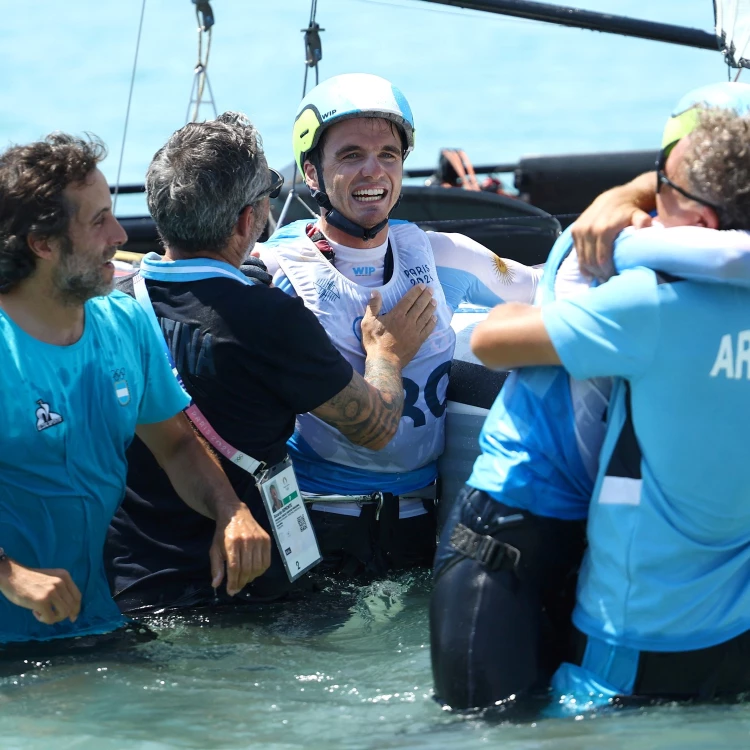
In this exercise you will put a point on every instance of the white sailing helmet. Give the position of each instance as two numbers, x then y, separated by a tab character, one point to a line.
684	119
345	97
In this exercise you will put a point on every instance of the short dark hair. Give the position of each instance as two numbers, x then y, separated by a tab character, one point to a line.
717	165
32	180
200	180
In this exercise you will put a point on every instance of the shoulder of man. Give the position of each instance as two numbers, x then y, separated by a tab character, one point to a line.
125	284
117	309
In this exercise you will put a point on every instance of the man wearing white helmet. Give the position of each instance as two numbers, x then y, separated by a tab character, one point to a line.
351	136
515	533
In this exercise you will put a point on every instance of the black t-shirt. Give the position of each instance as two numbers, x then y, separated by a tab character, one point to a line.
252	358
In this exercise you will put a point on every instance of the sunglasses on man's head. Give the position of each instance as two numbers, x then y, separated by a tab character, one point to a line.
272	191
662	179
277	182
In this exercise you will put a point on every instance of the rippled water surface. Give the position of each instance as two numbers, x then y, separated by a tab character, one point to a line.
345	670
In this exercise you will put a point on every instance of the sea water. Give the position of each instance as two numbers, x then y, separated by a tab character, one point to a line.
350	669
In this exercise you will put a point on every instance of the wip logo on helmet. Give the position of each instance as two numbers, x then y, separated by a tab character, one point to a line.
328	114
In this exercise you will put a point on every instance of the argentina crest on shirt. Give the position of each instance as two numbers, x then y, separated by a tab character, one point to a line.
121	387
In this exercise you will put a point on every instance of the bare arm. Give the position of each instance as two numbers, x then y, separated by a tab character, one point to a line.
513	335
49	593
595	230
199	480
369	409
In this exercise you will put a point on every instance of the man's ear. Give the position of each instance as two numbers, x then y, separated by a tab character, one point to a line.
42	247
311	175
709	218
245	222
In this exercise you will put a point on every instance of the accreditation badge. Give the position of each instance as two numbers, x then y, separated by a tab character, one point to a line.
289	520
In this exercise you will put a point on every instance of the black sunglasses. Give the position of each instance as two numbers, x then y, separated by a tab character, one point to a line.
662	179
277	182
272	191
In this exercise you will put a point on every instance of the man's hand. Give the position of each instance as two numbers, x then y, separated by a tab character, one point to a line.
199	480
49	593
255	269
243	545
404	329
595	230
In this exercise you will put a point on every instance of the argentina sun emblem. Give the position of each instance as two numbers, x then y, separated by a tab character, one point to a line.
121	387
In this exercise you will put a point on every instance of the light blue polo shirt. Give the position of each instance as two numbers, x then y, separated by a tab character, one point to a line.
69	414
669	553
532	443
541	440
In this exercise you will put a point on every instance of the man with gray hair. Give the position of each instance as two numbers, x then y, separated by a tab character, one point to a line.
251	357
663	601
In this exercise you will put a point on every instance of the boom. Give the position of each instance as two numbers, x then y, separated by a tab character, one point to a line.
586	19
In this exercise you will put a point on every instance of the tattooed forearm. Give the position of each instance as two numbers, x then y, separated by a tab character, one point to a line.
369	409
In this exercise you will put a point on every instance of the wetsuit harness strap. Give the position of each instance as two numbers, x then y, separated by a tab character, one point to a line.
493	554
373	497
424	493
319	240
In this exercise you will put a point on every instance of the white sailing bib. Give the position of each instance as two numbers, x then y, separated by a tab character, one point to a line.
339	305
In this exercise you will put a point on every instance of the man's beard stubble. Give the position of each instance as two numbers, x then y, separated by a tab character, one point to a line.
75	280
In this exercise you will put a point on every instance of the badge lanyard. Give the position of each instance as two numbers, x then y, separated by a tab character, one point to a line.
277	484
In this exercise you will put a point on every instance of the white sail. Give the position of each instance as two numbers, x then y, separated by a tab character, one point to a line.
733	28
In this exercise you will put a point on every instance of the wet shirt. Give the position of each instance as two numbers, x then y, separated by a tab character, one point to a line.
252	358
669	544
69	415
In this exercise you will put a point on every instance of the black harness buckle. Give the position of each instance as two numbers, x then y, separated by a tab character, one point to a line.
487	550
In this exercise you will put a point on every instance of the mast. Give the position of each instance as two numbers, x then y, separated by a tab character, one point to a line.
586	19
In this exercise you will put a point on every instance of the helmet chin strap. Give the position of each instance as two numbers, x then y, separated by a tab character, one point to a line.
338	220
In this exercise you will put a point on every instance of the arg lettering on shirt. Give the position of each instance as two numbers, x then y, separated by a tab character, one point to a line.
733	357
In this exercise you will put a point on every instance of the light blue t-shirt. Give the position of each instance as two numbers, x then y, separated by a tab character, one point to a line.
669	553
541	439
69	414
538	430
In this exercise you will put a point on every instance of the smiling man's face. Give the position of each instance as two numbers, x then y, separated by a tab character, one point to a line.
84	268
362	164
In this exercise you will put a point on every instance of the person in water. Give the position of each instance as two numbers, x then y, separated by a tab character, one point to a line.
663	603
82	374
376	510
515	536
251	357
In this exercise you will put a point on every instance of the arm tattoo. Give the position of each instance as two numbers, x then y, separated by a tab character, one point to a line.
368	410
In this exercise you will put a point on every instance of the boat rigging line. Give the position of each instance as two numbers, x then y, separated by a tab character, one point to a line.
127	111
313	55
205	16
